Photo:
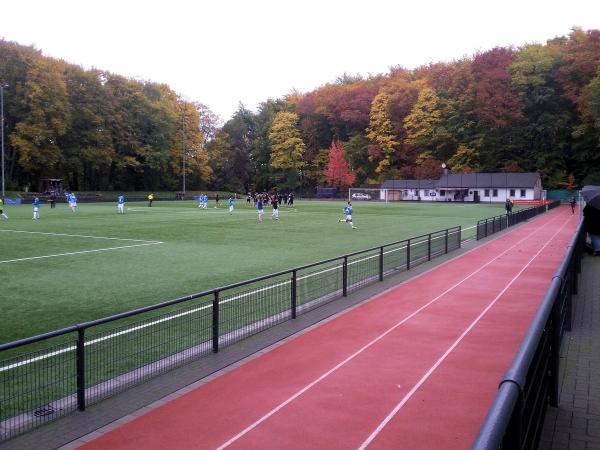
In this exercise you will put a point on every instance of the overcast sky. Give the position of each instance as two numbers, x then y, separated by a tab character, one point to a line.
223	52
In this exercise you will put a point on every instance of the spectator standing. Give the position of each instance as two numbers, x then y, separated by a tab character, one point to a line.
2	213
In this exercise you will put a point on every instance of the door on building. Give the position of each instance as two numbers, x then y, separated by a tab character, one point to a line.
476	196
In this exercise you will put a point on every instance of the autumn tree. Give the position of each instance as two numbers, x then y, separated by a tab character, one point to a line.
428	167
261	145
495	102
380	133
287	147
465	160
424	127
338	172
36	138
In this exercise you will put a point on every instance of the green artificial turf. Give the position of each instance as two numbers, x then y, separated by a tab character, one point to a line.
198	250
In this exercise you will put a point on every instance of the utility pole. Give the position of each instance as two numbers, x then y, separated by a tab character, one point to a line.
2	86
183	150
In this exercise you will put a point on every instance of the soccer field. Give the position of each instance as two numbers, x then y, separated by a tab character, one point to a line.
69	267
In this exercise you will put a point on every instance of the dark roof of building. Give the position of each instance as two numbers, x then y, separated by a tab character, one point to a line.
408	184
488	180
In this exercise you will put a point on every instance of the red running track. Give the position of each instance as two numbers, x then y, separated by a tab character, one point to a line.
417	367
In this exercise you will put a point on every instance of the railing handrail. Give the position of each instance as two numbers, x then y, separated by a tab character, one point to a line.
511	387
145	309
499	216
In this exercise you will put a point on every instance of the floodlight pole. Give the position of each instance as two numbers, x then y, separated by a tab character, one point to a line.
2	132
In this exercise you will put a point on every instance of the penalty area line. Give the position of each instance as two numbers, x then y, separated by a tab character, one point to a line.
79	253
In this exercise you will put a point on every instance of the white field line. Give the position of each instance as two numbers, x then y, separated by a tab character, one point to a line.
450	349
82	236
79	252
185	313
132	329
370	344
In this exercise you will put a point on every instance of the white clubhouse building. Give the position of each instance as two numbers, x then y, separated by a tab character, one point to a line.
467	187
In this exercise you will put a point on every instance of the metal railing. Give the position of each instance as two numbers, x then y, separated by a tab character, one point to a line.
82	364
491	225
516	417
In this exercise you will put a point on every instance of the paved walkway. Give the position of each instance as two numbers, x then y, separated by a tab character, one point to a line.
575	424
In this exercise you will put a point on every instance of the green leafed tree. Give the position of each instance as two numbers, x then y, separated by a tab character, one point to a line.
356	150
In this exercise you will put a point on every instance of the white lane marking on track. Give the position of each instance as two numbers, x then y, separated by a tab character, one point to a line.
450	349
82	236
78	253
371	343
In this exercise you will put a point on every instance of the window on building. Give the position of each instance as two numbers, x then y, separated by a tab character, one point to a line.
495	193
426	192
442	192
486	192
523	194
512	192
405	192
416	192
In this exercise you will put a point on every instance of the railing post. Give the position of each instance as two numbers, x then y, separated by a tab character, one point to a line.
294	298
381	263
459	236
345	277
429	247
514	430
446	240
555	353
81	369
215	323
569	298
408	255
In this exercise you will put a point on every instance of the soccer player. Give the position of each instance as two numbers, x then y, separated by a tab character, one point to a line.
348	213
150	199
120	204
217	200
275	206
2	213
72	202
200	200
261	211
205	201
230	203
36	208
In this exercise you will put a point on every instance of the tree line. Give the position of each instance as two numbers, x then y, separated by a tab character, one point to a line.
97	130
533	108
